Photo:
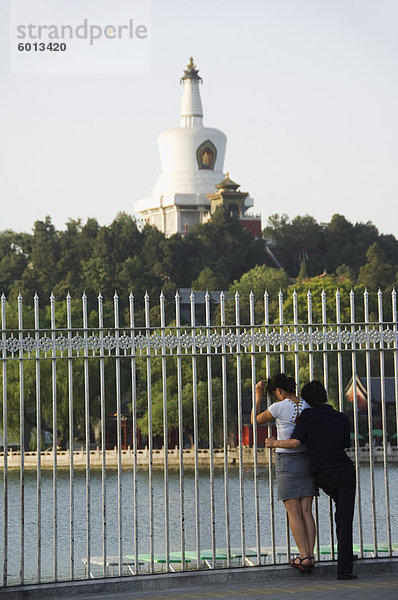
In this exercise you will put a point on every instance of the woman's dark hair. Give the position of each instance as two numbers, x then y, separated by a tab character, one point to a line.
314	393
280	380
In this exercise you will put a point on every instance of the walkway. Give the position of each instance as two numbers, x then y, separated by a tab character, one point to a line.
377	578
366	588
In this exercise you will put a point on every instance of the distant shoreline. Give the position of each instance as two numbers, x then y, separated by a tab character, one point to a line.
79	459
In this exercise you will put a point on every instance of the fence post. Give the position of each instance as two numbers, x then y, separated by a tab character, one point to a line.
5	441
165	432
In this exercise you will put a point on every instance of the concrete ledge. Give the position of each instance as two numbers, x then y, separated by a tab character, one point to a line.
170	581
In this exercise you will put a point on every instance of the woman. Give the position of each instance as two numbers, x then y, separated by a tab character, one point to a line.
295	483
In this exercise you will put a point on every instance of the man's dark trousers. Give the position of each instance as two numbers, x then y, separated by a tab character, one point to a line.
339	484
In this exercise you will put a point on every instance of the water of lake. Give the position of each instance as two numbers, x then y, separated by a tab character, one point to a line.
63	535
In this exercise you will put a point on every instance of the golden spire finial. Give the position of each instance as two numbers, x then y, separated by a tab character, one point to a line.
191	72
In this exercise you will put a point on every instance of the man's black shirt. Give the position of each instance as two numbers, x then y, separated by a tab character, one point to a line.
327	433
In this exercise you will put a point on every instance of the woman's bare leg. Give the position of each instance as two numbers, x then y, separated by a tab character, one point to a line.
298	528
309	523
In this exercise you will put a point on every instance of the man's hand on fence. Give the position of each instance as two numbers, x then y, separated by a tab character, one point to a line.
270	442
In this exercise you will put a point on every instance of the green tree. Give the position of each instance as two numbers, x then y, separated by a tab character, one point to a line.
389	245
15	249
344	272
259	280
326	285
340	243
210	279
377	272
76	243
223	236
303	274
175	261
125	238
324	247
42	273
347	243
135	277
295	241
157	397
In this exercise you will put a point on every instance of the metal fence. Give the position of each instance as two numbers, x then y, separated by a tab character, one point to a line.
189	491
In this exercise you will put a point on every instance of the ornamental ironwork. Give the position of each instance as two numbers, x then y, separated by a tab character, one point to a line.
258	341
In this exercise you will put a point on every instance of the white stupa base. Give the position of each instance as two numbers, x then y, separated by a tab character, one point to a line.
173	213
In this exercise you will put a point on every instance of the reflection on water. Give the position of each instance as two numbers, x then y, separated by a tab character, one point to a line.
128	534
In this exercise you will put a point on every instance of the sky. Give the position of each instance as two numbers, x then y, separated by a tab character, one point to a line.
306	92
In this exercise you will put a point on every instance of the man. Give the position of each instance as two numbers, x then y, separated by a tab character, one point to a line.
327	434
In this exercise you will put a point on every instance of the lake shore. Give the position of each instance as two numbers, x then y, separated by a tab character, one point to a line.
157	457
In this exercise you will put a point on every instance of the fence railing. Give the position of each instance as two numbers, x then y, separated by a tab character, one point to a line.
110	380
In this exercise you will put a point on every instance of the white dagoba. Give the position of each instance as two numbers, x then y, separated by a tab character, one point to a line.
192	160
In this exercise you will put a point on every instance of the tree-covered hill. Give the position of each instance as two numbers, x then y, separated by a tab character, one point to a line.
336	247
120	256
215	255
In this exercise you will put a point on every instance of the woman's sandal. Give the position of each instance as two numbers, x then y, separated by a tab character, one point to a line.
299	565
312	565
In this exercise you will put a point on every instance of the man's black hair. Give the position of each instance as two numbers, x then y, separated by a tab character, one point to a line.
314	393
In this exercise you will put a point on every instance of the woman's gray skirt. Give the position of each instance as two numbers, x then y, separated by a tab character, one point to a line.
293	476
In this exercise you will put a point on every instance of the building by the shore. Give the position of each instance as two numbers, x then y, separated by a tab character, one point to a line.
193	183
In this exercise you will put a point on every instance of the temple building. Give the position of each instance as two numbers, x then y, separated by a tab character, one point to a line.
235	202
192	182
